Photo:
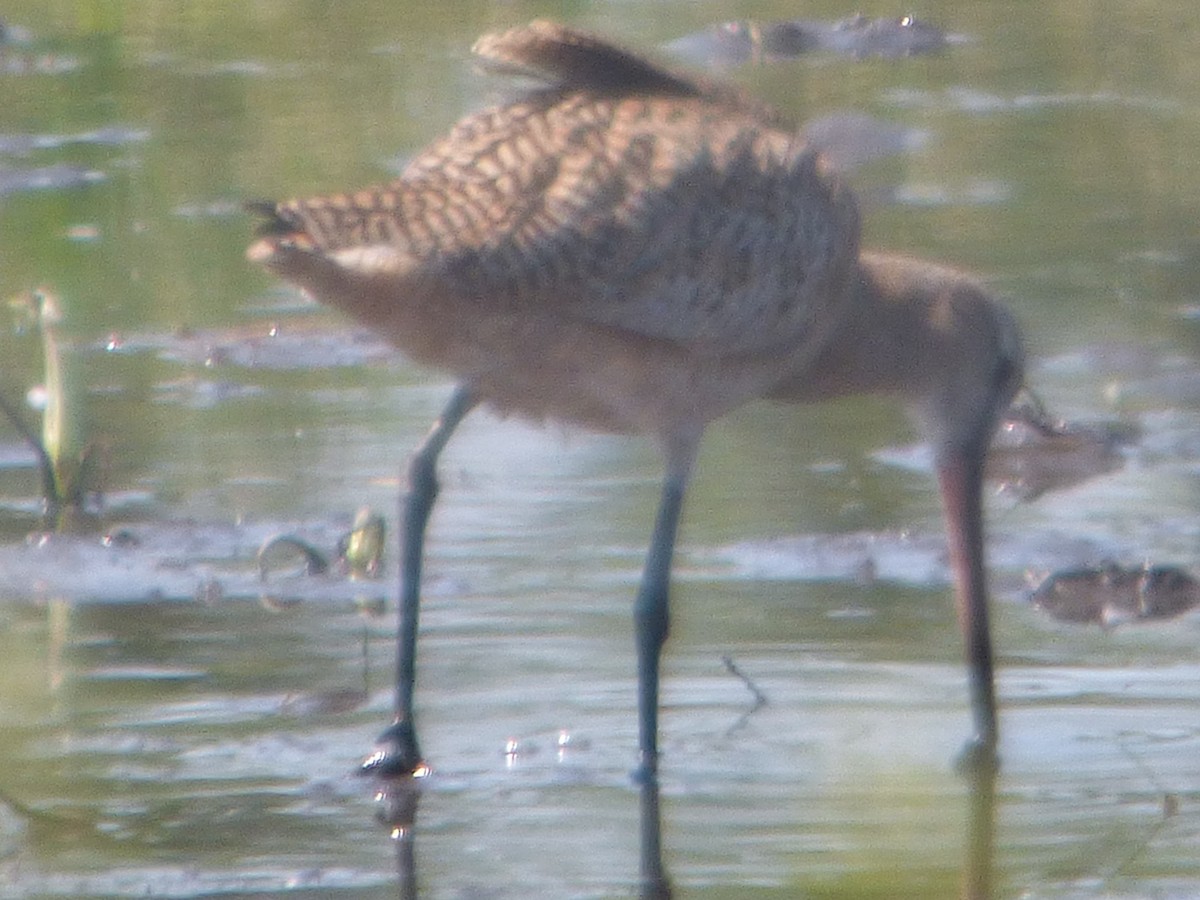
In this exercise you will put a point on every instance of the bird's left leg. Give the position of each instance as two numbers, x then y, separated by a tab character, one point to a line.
397	752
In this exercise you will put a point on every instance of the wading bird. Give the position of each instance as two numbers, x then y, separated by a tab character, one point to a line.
629	250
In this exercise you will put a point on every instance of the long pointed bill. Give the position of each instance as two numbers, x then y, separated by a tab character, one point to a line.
960	474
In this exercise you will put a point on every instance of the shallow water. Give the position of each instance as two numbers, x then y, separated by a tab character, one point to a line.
173	727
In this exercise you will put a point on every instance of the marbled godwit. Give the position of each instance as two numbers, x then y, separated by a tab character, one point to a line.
629	250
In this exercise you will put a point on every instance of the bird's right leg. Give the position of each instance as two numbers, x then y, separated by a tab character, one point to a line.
960	473
397	753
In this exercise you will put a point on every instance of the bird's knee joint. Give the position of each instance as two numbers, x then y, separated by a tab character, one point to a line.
652	623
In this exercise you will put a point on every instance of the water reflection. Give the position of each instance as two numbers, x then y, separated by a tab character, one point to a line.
397	805
188	736
652	873
398	802
980	841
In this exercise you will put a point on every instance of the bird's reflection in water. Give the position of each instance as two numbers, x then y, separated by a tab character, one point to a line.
655	885
981	836
397	811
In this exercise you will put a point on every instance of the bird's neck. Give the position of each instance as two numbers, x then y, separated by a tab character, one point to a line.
887	326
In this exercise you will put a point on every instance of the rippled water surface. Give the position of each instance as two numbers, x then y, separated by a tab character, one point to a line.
171	726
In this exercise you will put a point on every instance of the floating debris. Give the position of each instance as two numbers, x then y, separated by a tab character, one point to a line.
1033	454
361	551
1109	595
313	561
739	42
760	699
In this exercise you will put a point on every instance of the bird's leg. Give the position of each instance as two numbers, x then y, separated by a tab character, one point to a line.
397	752
961	477
651	614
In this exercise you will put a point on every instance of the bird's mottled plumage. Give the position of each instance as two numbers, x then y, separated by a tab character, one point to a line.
618	205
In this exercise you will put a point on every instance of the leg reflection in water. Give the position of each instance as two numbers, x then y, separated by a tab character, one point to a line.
398	801
981	836
654	882
397	811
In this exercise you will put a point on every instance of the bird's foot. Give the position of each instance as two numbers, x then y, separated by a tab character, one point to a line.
978	759
396	754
